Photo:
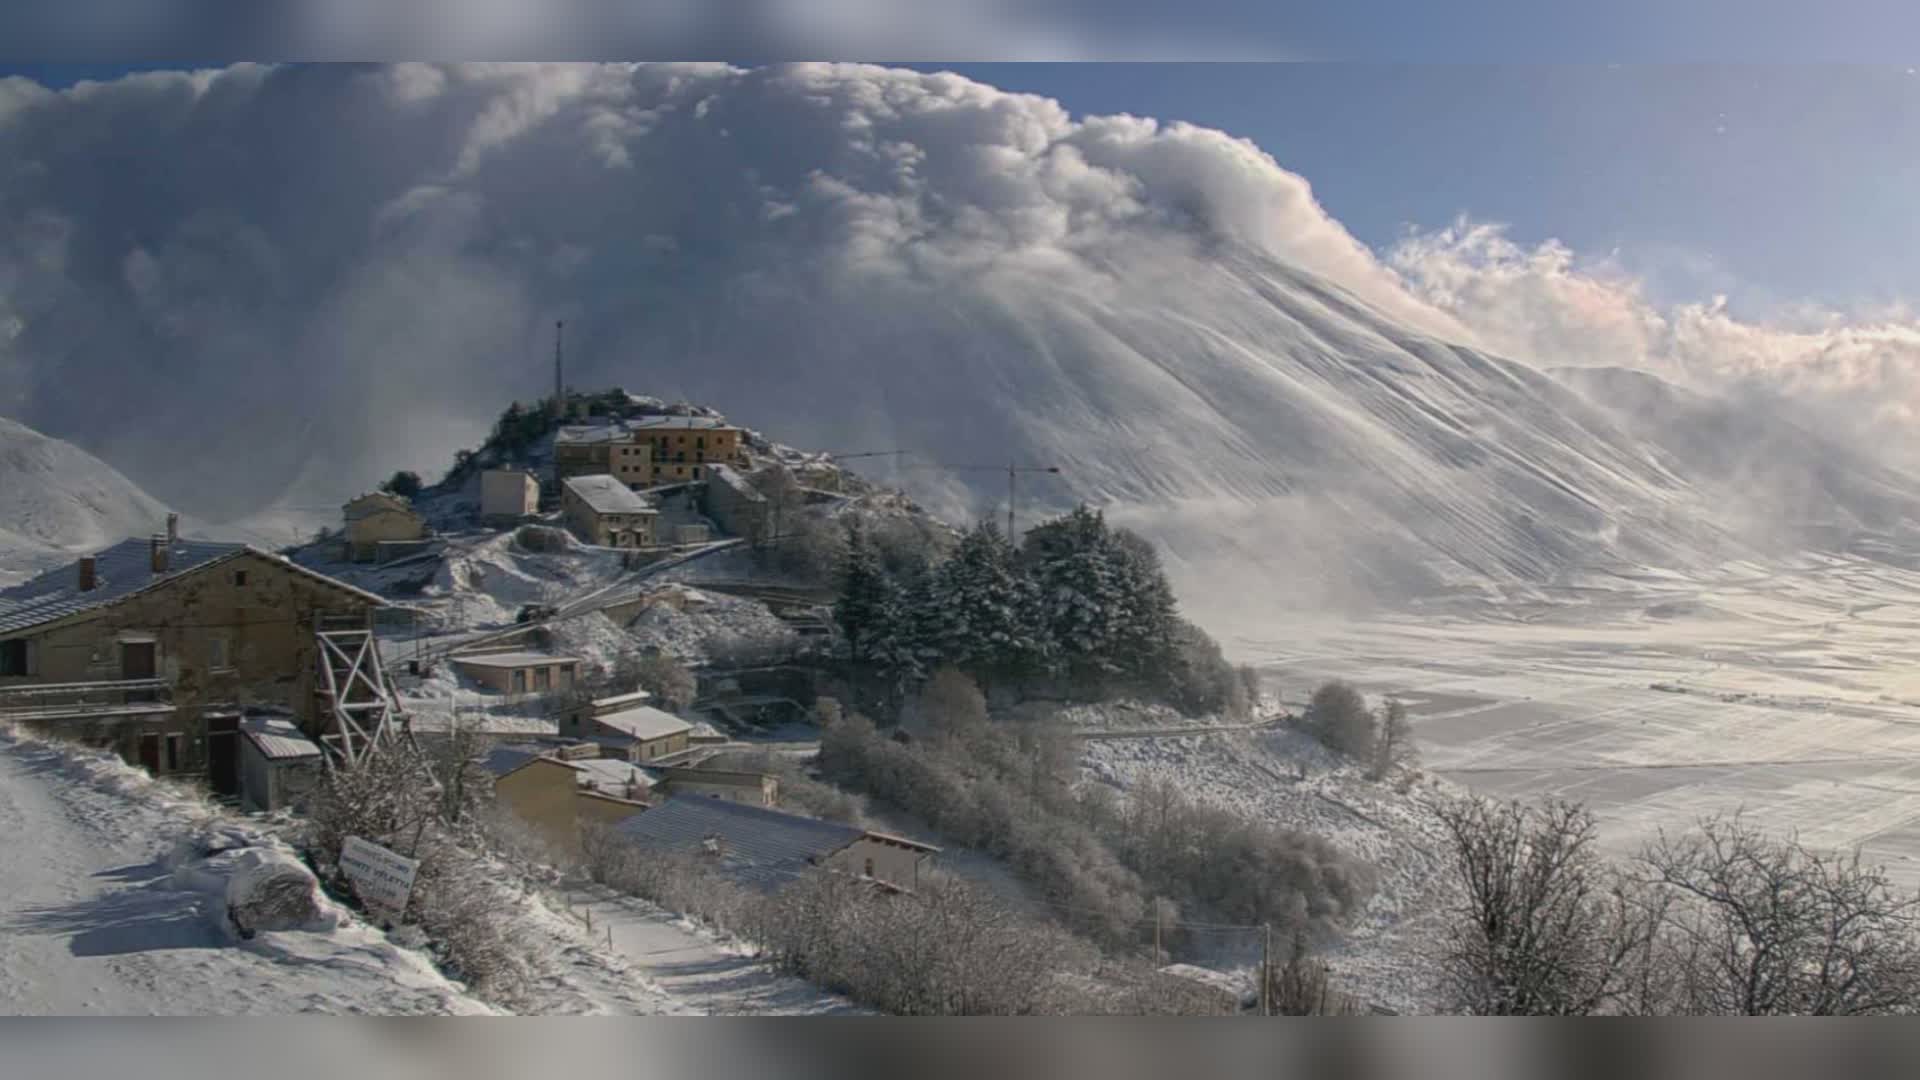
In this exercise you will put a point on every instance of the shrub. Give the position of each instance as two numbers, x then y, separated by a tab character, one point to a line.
1339	718
542	539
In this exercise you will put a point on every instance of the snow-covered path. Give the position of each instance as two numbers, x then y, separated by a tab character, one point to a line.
93	919
697	972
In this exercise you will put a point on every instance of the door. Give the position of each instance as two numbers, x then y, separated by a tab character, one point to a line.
137	662
223	754
150	752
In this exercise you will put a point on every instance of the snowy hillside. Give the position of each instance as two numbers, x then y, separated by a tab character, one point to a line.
56	499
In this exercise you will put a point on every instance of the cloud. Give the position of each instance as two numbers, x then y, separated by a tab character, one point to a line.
377	250
1856	374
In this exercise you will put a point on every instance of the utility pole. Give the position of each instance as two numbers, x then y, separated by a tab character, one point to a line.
1013	471
1156	933
1266	969
559	379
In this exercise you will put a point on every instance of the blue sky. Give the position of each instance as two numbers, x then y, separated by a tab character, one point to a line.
1774	184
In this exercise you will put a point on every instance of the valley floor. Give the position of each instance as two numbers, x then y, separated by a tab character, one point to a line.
1789	693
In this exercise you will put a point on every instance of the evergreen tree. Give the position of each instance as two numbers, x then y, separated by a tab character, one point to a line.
1084	591
981	613
1146	635
865	596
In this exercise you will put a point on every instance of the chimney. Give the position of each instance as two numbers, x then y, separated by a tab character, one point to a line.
160	553
173	529
87	577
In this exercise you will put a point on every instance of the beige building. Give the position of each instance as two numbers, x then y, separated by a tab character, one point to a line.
557	795
150	646
752	788
508	494
376	518
516	673
604	512
629	728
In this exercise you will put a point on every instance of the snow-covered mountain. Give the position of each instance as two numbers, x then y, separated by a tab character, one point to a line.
846	258
56	500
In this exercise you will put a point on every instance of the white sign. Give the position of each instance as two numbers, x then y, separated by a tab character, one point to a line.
381	878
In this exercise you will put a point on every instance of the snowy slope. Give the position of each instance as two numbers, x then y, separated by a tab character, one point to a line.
1778	482
56	499
103	912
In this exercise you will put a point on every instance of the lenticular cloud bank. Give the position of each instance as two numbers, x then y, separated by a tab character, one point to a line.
263	283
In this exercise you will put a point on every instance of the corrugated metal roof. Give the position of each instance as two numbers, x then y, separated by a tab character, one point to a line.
645	722
278	740
607	495
762	848
126	569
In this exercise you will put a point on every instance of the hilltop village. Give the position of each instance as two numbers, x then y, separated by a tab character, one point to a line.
633	644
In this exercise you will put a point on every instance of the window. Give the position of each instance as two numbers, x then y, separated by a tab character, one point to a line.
696	472
542	679
174	757
217	656
519	682
869	867
700	443
239	579
13	657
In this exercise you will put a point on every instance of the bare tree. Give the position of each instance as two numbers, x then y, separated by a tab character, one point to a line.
1770	927
1393	740
1546	927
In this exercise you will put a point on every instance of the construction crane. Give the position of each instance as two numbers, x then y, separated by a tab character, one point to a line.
1013	471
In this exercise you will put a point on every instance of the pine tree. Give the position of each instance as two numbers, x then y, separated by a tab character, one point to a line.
981	612
1146	637
1080	595
865	596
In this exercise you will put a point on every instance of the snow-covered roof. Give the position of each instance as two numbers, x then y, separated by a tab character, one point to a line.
678	423
725	474
278	739
612	775
644	722
621	701
126	569
758	847
588	434
607	495
512	659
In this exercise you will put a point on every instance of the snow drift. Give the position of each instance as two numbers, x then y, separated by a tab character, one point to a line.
351	269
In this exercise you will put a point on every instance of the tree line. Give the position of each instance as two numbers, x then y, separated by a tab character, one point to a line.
1077	605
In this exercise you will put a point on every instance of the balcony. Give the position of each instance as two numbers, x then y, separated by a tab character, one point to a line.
119	699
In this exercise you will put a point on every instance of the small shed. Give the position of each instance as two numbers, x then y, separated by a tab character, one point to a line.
519	672
279	765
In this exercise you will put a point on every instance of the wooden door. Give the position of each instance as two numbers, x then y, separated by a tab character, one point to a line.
150	752
137	662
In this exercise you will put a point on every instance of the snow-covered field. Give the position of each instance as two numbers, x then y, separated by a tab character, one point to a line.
1792	692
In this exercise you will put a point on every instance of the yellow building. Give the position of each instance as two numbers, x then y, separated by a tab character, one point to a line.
550	794
648	451
682	447
376	518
